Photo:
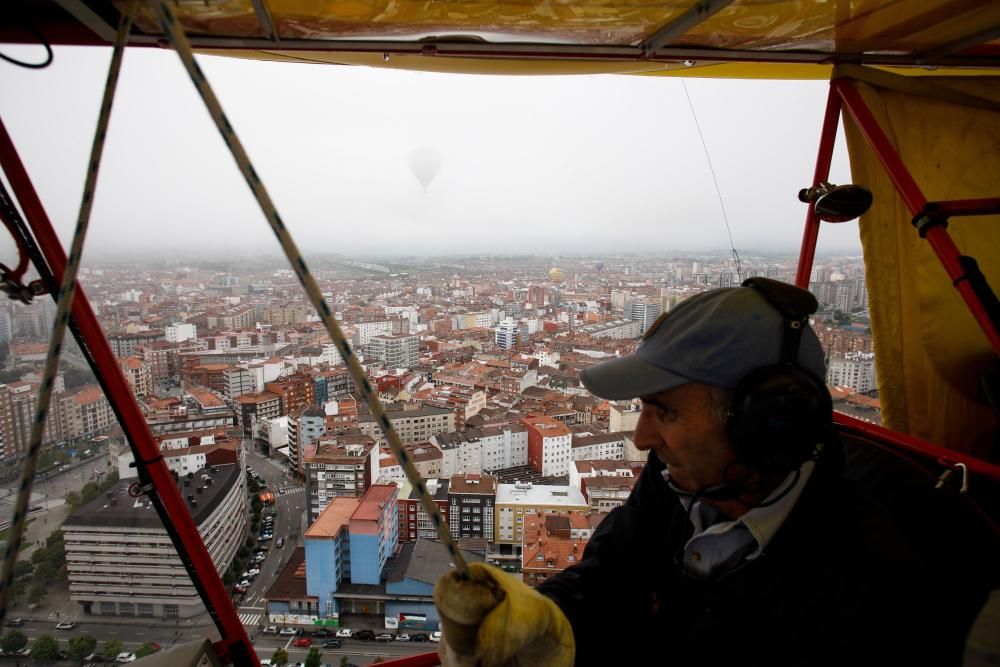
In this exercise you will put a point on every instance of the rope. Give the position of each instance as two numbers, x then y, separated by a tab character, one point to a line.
179	42
66	293
718	191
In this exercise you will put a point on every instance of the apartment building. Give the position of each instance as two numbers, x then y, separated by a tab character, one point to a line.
343	465
413	424
121	562
471	500
549	445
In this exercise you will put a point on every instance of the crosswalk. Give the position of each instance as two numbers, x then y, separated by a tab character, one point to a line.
248	618
285	490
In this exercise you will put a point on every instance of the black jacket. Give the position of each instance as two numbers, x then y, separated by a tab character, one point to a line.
837	585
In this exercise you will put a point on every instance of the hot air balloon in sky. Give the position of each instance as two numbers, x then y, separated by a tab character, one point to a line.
425	163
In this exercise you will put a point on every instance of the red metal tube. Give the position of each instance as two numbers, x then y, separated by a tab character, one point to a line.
948	253
419	660
824	156
132	421
880	144
933	453
956	207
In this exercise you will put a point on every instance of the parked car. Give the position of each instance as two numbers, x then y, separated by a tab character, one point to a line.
435	636
66	625
259	558
281	542
95	658
332	643
271	630
385	637
364	634
403	637
419	637
14	623
302	642
288	632
322	633
124	657
345	633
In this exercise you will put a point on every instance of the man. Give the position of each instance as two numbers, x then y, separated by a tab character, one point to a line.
740	544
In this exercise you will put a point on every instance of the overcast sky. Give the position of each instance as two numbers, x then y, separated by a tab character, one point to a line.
560	165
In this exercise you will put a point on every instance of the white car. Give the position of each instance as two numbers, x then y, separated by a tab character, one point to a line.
288	632
403	637
254	571
344	632
66	625
271	630
125	656
435	636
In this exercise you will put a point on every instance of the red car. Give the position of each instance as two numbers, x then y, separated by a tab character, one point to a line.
302	642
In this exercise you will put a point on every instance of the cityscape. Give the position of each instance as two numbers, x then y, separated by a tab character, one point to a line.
307	514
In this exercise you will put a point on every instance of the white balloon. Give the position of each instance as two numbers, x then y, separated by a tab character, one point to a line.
425	162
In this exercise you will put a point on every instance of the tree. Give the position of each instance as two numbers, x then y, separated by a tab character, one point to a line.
144	650
80	647
13	641
280	657
112	648
314	657
343	661
38	591
45	648
73	499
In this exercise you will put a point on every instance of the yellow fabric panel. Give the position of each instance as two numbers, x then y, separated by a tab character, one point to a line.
832	26
929	351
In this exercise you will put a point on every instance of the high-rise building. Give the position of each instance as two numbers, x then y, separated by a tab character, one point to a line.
506	335
345	465
645	312
855	370
549	445
402	351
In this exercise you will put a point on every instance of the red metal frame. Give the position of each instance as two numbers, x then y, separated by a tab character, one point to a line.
908	189
824	156
957	207
234	638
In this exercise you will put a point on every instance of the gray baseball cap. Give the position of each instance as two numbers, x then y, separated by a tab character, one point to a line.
714	338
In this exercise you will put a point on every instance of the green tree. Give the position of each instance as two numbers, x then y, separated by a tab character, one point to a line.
22	569
314	657
73	499
280	657
37	592
343	661
249	543
13	641
45	572
80	647
144	650
45	647
112	648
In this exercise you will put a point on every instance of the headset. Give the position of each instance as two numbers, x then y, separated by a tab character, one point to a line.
780	412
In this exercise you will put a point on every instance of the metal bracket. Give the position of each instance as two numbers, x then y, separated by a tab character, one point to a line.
946	477
17	290
929	218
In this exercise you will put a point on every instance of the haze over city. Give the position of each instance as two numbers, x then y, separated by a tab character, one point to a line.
552	165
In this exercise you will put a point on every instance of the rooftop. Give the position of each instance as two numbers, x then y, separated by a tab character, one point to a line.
534	494
373	502
473	483
336	515
426	561
203	490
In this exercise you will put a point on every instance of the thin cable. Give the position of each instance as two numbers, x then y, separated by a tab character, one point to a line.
66	293
718	191
41	40
179	41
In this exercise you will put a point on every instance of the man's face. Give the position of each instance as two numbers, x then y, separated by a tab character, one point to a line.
680	427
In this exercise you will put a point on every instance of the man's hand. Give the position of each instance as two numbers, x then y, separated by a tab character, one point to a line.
492	619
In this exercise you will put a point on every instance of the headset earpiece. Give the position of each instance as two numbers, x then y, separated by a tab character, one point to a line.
778	415
779	412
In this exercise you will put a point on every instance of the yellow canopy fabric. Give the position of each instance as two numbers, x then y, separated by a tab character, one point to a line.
930	353
743	38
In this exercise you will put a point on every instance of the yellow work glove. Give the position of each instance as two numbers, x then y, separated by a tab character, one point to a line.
492	619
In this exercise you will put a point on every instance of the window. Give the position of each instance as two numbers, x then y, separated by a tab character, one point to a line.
170	611
126	609
107	608
145	609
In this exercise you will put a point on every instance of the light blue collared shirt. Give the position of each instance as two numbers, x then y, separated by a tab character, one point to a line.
719	546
